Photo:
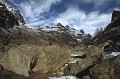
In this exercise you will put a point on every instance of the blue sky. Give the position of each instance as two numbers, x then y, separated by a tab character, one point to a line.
80	14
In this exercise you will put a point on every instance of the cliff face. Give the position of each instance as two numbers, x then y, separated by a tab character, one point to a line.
14	12
115	20
9	16
13	30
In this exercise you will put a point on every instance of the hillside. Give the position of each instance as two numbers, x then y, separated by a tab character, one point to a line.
50	52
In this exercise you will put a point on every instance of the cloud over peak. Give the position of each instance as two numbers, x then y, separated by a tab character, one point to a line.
32	10
80	14
80	20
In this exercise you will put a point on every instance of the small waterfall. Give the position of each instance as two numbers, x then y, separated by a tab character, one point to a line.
64	77
75	57
113	50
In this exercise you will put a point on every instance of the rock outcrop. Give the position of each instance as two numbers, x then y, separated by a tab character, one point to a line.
9	16
25	59
111	32
115	21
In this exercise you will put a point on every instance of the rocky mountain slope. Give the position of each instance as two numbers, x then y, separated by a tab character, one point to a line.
111	32
27	53
25	50
103	61
64	35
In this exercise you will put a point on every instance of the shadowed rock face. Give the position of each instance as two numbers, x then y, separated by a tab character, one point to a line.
115	15
7	20
9	16
10	75
115	21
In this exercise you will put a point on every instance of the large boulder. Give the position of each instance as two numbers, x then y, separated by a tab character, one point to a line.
115	21
20	60
25	59
107	69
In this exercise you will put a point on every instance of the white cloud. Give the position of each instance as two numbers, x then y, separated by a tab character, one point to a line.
46	22
77	19
32	10
96	2
80	20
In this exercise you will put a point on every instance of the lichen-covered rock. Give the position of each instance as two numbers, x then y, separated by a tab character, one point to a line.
107	69
54	58
25	59
20	59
